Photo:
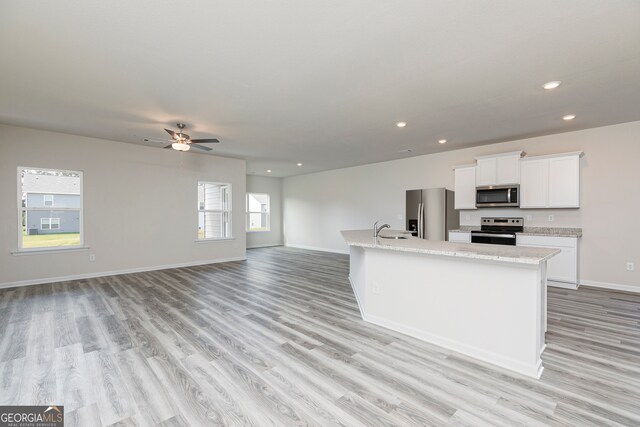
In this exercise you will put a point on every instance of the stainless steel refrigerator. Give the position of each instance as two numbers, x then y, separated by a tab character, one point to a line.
431	213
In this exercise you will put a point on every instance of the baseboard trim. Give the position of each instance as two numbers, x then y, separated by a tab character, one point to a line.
563	285
353	288
268	245
314	248
612	286
530	370
115	272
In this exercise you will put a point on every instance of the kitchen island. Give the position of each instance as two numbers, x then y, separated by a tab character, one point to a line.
486	301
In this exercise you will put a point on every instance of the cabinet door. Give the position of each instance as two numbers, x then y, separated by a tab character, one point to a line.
534	183
465	187
564	182
486	172
508	170
563	267
459	237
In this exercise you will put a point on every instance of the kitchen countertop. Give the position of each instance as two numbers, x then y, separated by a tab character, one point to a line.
509	254
533	231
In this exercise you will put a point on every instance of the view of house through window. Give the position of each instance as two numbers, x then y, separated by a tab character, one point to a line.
214	210
50	208
257	212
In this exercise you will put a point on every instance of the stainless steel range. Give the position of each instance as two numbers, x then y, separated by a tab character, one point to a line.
498	231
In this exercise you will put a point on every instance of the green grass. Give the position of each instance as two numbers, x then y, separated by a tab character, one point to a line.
50	240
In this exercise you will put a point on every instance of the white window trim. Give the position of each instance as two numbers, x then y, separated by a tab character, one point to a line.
50	223
21	209
222	211
248	212
45	201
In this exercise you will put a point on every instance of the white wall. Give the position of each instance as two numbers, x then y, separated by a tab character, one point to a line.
317	206
272	187
140	204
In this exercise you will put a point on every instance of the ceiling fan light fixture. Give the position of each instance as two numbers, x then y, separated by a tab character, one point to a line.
180	146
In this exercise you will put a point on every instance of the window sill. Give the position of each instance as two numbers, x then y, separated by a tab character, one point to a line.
222	239
49	250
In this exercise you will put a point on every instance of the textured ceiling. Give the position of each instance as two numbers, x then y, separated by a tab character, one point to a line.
319	82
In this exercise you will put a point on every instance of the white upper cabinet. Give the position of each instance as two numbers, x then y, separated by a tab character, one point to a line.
465	187
534	183
564	182
499	169
486	172
550	181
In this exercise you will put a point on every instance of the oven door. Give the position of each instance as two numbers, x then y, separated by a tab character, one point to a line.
493	238
490	197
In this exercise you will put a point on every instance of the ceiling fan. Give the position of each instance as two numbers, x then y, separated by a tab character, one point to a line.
180	141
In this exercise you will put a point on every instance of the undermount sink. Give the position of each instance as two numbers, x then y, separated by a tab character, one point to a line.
395	236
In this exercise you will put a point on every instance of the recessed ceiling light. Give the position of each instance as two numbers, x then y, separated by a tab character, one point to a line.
299	164
401	124
551	85
268	170
442	141
569	117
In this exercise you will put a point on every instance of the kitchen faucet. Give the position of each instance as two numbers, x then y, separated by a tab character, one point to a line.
376	229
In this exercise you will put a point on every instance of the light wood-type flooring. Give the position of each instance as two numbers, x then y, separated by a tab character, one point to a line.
278	341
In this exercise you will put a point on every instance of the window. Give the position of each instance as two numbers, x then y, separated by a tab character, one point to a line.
48	199
41	225
257	212
214	210
50	223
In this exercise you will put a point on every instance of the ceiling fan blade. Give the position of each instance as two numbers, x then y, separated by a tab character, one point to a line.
168	146
204	141
172	133
201	147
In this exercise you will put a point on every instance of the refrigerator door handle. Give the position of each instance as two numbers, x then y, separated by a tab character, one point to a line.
420	225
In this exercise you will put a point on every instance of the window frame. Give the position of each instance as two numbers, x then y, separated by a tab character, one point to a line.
23	209
45	200
248	213
228	211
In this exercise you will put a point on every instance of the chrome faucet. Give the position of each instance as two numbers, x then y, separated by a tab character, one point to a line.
376	229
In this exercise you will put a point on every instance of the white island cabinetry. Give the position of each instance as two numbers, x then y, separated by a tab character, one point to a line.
485	301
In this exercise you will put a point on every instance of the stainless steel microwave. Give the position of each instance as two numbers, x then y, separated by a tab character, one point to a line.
498	196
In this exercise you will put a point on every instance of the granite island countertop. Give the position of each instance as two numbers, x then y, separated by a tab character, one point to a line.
501	253
533	231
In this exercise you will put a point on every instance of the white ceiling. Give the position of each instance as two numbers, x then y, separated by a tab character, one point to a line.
319	82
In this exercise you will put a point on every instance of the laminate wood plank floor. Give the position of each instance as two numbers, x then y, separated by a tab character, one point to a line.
278	341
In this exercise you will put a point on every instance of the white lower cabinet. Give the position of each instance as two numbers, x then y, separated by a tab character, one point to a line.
460	236
563	267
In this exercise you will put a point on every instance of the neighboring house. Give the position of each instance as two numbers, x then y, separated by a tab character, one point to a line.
52	202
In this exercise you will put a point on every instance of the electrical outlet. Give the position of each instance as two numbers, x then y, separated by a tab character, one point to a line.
376	288
529	217
467	217
400	217
92	257
550	218
630	266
